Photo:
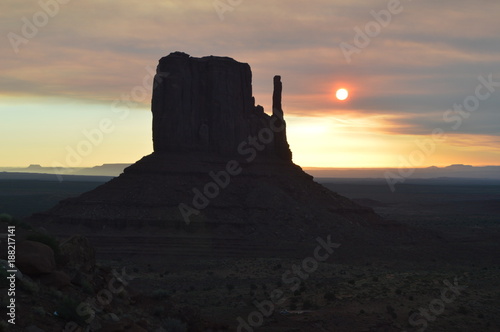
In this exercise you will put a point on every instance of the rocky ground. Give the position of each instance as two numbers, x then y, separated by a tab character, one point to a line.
134	293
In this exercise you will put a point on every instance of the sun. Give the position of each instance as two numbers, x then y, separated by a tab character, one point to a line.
342	94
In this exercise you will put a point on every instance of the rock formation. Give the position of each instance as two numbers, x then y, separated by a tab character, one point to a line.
220	180
206	104
280	142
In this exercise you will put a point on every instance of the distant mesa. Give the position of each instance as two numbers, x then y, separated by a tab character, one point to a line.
459	166
220	181
34	167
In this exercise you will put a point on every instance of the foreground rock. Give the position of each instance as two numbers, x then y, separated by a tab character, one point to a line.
79	253
35	258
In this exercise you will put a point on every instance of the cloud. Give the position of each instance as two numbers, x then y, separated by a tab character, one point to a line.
424	61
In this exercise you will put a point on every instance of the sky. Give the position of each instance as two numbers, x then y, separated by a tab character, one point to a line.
423	76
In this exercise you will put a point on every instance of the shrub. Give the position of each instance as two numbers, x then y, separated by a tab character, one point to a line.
4	217
46	239
66	310
7	218
87	287
40	311
29	286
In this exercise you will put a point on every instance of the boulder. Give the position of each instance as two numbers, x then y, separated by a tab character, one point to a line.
79	253
35	258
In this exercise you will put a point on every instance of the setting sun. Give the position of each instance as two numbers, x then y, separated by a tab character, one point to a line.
342	94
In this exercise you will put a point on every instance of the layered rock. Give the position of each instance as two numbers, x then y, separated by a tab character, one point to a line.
206	104
35	258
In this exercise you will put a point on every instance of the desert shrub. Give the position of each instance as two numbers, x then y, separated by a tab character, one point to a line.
46	239
174	325
7	218
50	241
87	287
29	286
40	311
4	217
66	309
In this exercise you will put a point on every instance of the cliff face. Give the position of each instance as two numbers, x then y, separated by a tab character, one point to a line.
206	104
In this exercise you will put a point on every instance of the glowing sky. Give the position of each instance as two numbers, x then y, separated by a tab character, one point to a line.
72	71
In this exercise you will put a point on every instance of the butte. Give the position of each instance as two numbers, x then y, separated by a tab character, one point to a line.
220	182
